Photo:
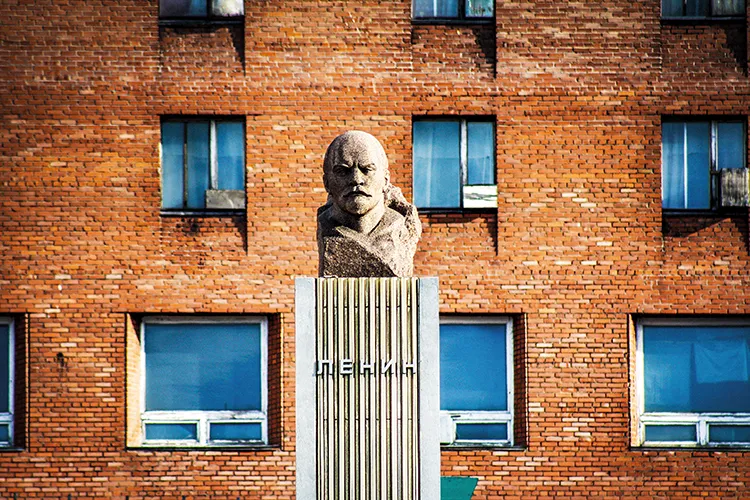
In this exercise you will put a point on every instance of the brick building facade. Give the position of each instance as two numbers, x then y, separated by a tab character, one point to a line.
579	252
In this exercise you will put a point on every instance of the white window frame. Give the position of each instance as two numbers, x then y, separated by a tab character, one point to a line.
449	419
701	421
213	156
7	418
486	194
204	419
713	157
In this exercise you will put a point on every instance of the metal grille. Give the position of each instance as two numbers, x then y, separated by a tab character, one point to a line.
367	405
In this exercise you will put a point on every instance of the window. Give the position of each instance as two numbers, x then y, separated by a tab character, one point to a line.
702	8
694	153
453	9
7	370
204	381
203	164
476	381
454	164
200	9
694	382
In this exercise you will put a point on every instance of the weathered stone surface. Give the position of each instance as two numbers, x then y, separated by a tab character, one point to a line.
367	228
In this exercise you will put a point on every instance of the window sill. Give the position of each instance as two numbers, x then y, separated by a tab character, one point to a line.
482	210
719	213
202	213
10	449
207	448
450	21
202	22
486	447
702	20
690	447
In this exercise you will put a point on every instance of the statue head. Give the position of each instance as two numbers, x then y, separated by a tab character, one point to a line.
355	172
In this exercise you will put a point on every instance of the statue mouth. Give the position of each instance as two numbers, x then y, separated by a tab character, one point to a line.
352	194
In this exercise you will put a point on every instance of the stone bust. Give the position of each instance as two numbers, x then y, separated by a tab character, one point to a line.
366	228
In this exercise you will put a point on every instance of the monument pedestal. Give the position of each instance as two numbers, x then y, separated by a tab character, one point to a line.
368	388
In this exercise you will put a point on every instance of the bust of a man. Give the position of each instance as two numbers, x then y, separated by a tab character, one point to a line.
366	228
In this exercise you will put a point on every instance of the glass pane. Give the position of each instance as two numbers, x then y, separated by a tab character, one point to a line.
182	8
4	434
728	7
479	8
230	152
673	164
4	368
473	367
228	7
731	145
172	431
236	432
198	167
482	432
670	8
481	153
697	369
435	8
203	367
729	433
698	165
172	139
670	433
437	168
699	8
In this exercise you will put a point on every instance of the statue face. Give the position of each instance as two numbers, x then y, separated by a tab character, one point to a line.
356	178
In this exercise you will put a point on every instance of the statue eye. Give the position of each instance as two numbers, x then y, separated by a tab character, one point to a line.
341	169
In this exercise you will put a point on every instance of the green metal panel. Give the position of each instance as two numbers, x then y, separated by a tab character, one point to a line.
457	488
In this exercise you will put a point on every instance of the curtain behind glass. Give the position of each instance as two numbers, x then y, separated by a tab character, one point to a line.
203	367
4	368
230	152
197	163
731	145
172	181
673	164
481	153
228	7
437	168
435	8
479	8
698	165
697	8
696	369
473	364
671	8
728	7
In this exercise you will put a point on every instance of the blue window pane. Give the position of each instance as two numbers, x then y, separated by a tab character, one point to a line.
236	432
696	369
482	432
481	153
435	8
203	367
172	431
698	165
172	180
479	8
729	433
698	8
437	169
473	367
197	164
671	8
673	165
731	145
4	368
4	434
182	8
670	433
230	152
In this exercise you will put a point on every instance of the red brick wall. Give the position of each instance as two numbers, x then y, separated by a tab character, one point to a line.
576	247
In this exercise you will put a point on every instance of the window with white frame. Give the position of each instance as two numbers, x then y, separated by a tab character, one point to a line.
453	9
203	164
702	8
694	153
204	381
476	381
7	371
200	9
694	382
454	163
